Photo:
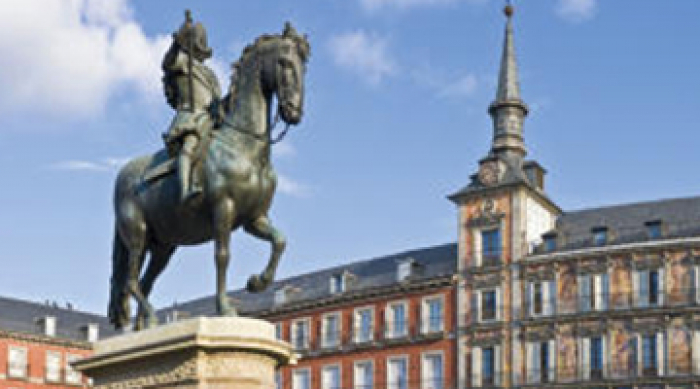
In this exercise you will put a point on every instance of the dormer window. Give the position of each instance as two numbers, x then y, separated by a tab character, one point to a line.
550	242
654	229
600	236
337	283
47	325
281	295
404	270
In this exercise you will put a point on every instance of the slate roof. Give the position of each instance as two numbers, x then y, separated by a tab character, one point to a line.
430	263
627	223
21	316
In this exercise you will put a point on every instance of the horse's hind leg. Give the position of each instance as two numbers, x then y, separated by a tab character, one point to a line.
263	229
136	241
159	259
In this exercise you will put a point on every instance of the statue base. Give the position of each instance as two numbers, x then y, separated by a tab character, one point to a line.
203	352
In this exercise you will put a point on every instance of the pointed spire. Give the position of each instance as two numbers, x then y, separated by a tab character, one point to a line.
508	110
508	82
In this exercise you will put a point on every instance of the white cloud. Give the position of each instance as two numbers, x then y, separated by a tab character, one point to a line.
577	10
68	57
364	54
375	5
292	188
444	84
103	165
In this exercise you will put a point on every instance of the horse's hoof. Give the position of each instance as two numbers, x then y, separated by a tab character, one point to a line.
255	284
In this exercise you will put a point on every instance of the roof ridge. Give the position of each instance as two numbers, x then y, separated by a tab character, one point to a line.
632	204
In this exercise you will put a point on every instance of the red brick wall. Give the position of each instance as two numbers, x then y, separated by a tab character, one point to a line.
413	347
36	358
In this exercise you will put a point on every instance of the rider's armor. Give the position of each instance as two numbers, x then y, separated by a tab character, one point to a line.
193	90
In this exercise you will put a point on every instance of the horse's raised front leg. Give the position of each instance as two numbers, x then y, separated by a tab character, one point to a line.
224	217
160	256
263	229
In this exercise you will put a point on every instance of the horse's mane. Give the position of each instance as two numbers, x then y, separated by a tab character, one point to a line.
261	44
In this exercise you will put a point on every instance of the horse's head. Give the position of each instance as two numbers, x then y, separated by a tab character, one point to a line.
284	70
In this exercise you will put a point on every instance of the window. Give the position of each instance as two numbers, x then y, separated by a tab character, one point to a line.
654	230
542	299
17	361
649	355
301	379
300	334
593	292
330	377
488	305
337	283
550	243
649	287
279	335
544	360
397	373
488	366
397	323
491	247
331	330
404	270
279	383
600	236
364	323
596	357
364	375
432	376
53	366
281	296
73	377
432	315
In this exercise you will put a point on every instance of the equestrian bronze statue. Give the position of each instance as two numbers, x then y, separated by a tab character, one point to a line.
228	154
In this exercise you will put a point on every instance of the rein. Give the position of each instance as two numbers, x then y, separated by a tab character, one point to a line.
263	138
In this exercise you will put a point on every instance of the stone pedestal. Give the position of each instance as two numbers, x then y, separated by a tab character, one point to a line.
203	352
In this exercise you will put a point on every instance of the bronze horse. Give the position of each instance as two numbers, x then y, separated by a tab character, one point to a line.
237	179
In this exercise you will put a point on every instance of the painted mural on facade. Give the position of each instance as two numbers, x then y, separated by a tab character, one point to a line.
622	351
679	348
678	280
620	284
567	289
566	354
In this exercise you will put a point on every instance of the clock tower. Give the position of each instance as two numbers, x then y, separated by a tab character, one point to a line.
503	212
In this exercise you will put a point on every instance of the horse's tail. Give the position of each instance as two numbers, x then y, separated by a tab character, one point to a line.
119	308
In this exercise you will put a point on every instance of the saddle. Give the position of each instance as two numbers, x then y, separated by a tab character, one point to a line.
169	166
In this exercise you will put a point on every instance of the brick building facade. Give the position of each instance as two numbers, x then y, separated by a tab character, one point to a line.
38	342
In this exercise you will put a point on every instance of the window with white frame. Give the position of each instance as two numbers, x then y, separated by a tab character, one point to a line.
488	304
491	247
593	357
17	362
364	324
281	295
279	334
397	373
404	270
300	334
279	380
541	359
486	366
432	314
364	375
331	330
593	292
53	366
301	379
542	298
651	357
73	377
397	320
330	377
649	287
432	371
337	283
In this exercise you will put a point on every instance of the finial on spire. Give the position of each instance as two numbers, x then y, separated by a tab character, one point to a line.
509	10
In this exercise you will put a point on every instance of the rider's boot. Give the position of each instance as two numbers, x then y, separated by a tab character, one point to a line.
184	170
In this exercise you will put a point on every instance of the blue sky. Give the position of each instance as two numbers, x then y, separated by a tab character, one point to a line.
397	92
